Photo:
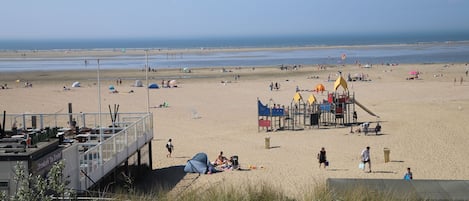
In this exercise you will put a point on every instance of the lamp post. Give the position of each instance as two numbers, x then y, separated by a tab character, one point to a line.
99	109
146	78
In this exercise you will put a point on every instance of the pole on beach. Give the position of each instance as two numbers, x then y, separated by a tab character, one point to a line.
99	107
146	78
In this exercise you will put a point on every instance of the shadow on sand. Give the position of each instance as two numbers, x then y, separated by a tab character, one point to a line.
336	169
164	179
274	147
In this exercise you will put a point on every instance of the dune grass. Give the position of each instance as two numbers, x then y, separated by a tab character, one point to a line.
265	192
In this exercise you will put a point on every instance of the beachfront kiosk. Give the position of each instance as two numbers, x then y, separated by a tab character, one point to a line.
336	108
90	152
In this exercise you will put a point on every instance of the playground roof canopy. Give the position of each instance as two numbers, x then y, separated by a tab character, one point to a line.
340	82
311	99
297	97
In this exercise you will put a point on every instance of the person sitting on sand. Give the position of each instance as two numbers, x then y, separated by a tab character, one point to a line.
377	128
365	127
220	159
164	104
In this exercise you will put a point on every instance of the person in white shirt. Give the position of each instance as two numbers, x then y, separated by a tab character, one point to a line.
365	156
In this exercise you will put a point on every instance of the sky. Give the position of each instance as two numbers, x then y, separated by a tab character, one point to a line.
44	19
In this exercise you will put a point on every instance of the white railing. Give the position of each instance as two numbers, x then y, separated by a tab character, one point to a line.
86	163
101	159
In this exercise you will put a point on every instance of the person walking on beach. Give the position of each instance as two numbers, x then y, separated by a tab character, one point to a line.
408	175
365	157
170	148
322	157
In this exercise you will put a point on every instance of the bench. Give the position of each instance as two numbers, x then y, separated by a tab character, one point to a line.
375	130
366	129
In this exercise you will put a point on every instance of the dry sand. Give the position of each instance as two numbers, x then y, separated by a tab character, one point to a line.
424	122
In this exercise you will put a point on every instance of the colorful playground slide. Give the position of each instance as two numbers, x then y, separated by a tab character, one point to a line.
364	108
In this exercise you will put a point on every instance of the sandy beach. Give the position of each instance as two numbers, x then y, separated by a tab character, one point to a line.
424	121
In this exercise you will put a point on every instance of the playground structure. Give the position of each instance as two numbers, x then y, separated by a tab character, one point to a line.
336	108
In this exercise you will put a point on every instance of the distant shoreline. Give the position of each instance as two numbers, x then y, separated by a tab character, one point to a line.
135	58
6	55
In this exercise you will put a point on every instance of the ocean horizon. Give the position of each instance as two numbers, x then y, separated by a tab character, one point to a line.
365	49
232	41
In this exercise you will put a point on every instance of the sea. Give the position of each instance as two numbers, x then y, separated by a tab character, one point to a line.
335	49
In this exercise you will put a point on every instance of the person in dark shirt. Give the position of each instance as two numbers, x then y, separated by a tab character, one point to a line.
322	157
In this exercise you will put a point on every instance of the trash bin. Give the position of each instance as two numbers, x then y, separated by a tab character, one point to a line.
267	142
386	154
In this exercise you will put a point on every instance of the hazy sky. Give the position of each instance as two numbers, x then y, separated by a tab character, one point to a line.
23	19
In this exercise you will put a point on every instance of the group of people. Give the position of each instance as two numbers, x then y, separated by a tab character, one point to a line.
224	163
28	84
365	127
4	86
221	161
118	81
167	84
364	159
275	86
460	81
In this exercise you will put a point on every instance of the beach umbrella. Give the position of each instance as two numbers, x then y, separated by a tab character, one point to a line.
111	87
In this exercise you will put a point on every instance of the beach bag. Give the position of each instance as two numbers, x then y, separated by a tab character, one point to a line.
361	165
407	177
234	162
326	163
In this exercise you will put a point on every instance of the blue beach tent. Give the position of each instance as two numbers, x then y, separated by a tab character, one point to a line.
199	164
153	86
